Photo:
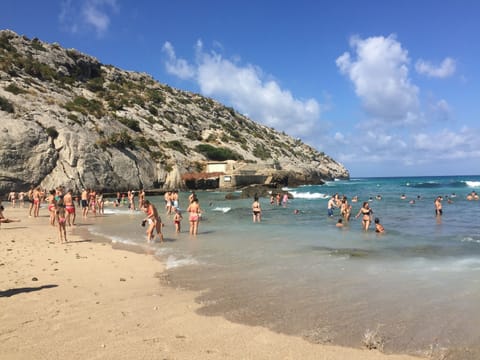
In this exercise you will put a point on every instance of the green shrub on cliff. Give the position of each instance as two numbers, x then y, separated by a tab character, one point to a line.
261	152
14	89
178	146
6	105
218	154
85	106
130	123
95	84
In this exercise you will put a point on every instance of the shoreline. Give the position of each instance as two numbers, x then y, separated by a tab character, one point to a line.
89	299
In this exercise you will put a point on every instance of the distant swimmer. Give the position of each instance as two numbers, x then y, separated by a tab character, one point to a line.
403	197
472	196
339	223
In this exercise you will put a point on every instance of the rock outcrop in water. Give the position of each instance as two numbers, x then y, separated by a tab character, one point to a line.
65	118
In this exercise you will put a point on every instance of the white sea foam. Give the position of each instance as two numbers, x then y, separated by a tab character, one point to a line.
473	183
113	211
113	238
222	209
309	195
122	240
173	262
470	239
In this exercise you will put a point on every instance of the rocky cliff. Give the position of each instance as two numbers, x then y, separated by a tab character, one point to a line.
66	119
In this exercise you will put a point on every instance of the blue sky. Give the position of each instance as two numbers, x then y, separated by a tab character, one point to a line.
387	88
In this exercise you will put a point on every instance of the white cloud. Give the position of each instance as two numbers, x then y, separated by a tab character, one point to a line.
177	67
379	71
447	142
445	69
87	14
246	88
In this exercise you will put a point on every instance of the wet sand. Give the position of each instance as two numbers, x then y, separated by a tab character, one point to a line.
86	300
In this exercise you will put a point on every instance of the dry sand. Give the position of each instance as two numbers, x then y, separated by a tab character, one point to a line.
85	300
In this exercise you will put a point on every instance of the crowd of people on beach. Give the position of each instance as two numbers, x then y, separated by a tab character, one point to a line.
62	208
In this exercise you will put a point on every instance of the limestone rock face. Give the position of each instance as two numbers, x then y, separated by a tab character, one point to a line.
66	119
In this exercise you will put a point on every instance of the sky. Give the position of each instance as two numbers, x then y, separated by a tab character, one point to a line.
387	88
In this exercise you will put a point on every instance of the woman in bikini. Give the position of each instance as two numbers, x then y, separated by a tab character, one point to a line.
194	217
61	216
69	207
257	210
100	203
345	209
52	203
366	213
92	201
37	195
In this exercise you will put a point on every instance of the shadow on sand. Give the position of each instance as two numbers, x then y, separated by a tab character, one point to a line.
11	292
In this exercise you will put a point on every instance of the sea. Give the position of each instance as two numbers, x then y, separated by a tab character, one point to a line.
414	289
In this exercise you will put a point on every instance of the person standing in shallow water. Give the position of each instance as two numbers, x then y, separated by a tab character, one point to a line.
366	213
194	215
331	204
153	220
257	210
438	206
177	220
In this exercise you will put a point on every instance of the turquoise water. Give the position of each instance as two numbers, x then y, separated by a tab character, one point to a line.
417	286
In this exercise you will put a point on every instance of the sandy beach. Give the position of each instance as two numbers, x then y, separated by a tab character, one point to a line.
86	300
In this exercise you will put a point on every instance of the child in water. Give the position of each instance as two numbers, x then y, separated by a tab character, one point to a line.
379	227
177	219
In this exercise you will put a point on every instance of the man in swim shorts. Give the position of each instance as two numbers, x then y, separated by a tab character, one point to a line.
84	199
331	205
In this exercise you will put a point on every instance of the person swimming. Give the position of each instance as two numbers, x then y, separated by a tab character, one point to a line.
379	227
